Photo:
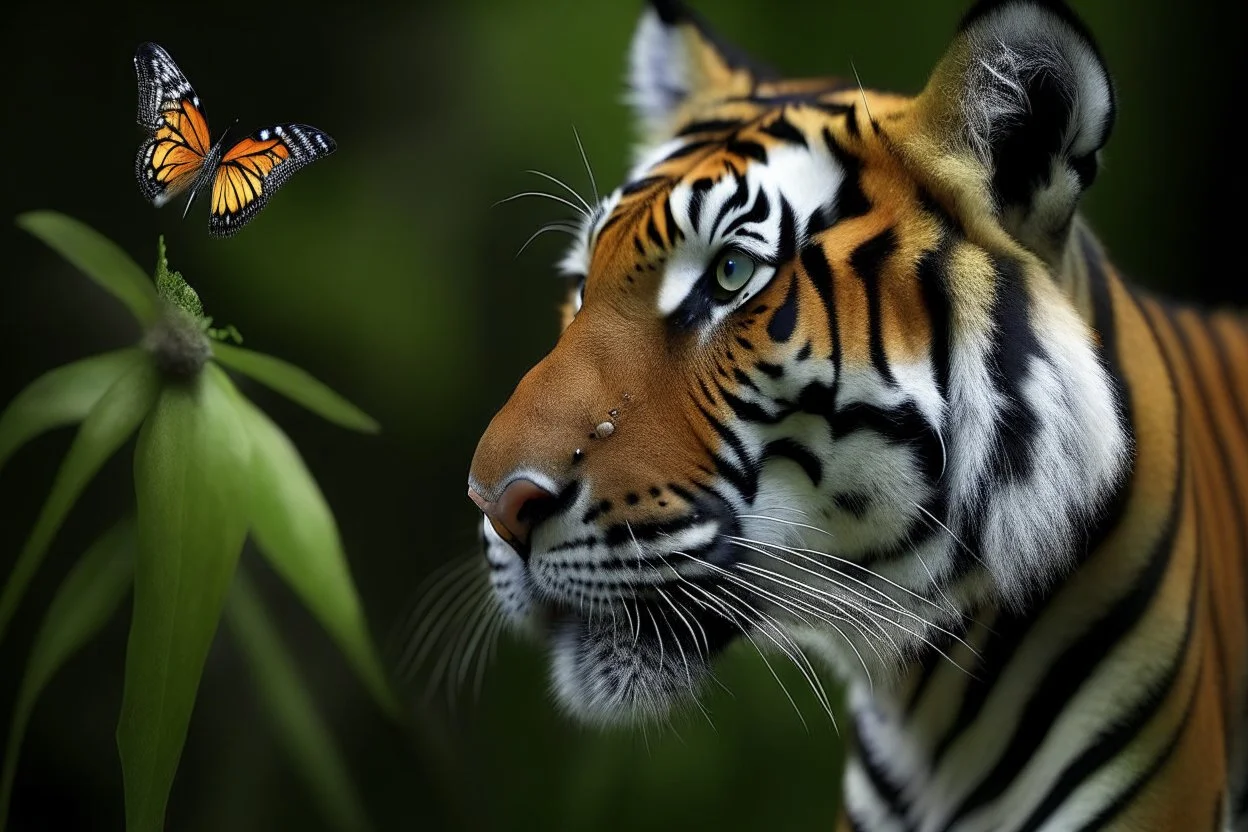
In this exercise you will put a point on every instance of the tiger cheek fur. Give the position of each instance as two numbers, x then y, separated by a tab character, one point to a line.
843	373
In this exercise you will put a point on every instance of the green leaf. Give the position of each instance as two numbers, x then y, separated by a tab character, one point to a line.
60	397
99	257
296	385
172	287
107	426
299	727
87	599
295	530
190	478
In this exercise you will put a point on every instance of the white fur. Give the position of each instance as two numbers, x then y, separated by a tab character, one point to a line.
659	72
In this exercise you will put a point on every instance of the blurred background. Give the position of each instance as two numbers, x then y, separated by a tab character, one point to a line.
385	271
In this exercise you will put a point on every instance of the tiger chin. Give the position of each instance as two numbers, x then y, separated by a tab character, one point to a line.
843	373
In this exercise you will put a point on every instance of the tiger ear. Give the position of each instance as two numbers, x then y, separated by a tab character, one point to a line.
1024	92
676	62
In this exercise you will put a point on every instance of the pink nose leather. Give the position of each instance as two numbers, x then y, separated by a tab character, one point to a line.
522	505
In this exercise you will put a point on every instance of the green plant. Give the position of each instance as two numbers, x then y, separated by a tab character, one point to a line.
210	468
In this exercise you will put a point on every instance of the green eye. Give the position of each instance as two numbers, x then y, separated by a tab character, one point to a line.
733	270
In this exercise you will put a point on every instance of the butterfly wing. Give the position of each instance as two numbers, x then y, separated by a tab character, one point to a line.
254	168
172	157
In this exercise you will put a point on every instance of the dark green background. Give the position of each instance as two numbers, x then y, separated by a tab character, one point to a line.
385	272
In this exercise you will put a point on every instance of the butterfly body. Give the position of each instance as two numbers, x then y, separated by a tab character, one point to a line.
178	154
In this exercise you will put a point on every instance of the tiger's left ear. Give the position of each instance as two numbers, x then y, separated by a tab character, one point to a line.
1024	93
676	63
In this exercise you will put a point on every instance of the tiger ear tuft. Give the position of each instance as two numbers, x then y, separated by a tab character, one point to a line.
675	62
1025	92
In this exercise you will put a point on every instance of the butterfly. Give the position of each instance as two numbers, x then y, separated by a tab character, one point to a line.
178	155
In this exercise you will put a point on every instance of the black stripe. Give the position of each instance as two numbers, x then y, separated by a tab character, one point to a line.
710	126
1110	742
772	371
758	213
885	789
1228	474
932	270
819	270
686	150
1105	324
784	320
737	200
1073	668
933	660
746	149
652	231
867	261
641	184
784	130
1006	635
1106	816
674	234
743	477
697	198
748	411
1015	346
903	425
745	381
853	502
850	199
851	121
787	448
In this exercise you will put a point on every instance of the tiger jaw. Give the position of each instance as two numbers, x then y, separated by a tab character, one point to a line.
631	657
633	649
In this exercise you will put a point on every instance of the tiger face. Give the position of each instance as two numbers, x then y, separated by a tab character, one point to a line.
820	385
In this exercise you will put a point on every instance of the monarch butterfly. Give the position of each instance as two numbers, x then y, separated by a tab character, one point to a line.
177	154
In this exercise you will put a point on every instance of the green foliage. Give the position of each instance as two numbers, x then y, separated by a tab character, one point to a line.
191	484
60	397
87	598
107	426
209	468
296	532
172	288
303	733
296	385
99	258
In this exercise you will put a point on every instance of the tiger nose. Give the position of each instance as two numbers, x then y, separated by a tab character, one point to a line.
522	505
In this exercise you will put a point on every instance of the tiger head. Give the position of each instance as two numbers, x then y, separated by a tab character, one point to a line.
822	383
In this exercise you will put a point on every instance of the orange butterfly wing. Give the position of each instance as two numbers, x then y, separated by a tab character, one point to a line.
254	168
172	157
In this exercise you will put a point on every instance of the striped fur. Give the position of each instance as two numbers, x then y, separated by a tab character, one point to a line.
934	440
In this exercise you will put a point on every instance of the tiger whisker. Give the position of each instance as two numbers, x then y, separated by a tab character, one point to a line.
435	622
805	666
833	577
794	606
808	671
563	185
838	613
555	197
788	604
949	531
563	227
589	170
463	617
917	596
486	656
862	91
427	593
745	632
488	616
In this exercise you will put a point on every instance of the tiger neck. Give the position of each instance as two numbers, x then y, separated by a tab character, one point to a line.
1002	731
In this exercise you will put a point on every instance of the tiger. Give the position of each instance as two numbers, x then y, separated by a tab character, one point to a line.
844	373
